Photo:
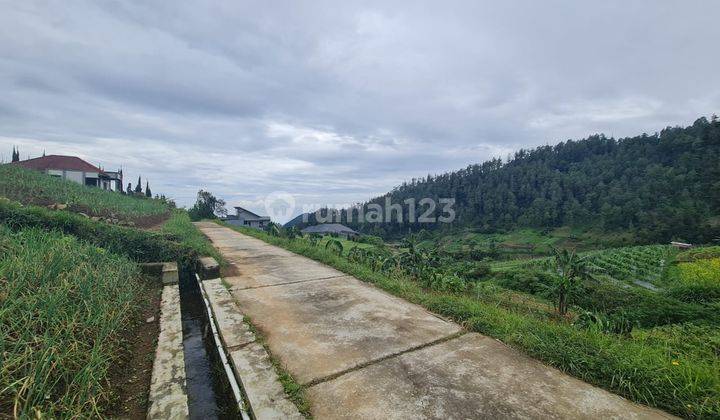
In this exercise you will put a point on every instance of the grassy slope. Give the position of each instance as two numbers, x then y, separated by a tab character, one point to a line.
32	187
674	367
63	306
180	227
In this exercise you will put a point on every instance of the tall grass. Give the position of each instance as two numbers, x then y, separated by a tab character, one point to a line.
63	305
33	187
674	367
180	227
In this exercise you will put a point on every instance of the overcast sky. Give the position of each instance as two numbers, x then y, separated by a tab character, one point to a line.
335	102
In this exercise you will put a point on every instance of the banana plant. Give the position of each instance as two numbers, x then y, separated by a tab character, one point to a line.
335	246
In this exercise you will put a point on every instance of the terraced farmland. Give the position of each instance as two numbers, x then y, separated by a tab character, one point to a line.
644	265
32	187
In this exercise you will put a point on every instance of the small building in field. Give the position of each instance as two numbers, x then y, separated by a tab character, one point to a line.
74	169
331	229
244	217
681	245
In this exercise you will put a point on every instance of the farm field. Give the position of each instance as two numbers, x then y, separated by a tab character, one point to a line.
70	313
32	187
644	266
74	340
656	347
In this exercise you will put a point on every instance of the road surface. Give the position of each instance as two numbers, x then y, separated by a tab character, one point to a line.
363	353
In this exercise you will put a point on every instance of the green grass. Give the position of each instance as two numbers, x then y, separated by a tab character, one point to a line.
63	307
527	242
180	227
33	187
672	367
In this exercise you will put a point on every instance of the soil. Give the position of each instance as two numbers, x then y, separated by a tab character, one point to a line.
130	379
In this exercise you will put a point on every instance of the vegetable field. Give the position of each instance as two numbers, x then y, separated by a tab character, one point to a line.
32	187
63	306
646	264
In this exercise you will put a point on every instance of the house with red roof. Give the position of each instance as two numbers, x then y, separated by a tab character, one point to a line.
74	169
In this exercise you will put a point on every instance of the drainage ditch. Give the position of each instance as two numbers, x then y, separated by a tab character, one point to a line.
210	395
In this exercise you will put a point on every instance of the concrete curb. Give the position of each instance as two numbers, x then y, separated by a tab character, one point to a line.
168	393
250	362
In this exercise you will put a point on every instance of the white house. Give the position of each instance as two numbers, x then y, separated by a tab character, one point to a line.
247	218
75	169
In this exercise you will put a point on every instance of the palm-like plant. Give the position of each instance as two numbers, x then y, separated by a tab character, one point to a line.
570	272
335	246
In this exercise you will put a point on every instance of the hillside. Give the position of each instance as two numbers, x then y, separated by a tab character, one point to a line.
662	186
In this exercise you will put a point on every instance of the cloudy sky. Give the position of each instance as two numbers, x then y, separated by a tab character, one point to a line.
335	102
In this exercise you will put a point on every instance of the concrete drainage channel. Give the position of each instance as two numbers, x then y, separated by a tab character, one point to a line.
188	380
208	363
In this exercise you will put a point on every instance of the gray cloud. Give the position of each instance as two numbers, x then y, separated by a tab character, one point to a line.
338	101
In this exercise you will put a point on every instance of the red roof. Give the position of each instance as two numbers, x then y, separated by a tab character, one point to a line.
68	163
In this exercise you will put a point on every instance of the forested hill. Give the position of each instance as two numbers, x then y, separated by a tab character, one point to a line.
663	186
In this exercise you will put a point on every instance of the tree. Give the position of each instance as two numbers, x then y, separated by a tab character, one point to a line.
207	206
138	186
129	189
148	193
570	271
15	154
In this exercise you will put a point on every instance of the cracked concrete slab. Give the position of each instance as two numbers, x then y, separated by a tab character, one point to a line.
471	376
320	328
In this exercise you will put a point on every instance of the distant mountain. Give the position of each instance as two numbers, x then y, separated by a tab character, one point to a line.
662	186
297	221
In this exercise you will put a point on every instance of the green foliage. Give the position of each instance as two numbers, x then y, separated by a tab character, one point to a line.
476	270
655	366
647	263
180	227
207	206
699	253
141	246
371	240
569	272
33	187
696	281
333	245
661	187
63	307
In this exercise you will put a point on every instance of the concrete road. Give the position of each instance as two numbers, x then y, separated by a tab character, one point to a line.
364	353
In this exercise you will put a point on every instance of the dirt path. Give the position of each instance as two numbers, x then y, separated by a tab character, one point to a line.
363	353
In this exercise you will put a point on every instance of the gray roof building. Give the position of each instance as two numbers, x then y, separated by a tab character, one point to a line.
247	218
330	228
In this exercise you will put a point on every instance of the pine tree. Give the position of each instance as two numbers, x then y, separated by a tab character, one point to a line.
129	189
138	186
148	193
15	154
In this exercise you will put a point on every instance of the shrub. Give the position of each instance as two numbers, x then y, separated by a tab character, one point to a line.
371	239
476	270
535	282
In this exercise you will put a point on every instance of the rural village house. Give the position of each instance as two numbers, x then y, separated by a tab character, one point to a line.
74	169
247	218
